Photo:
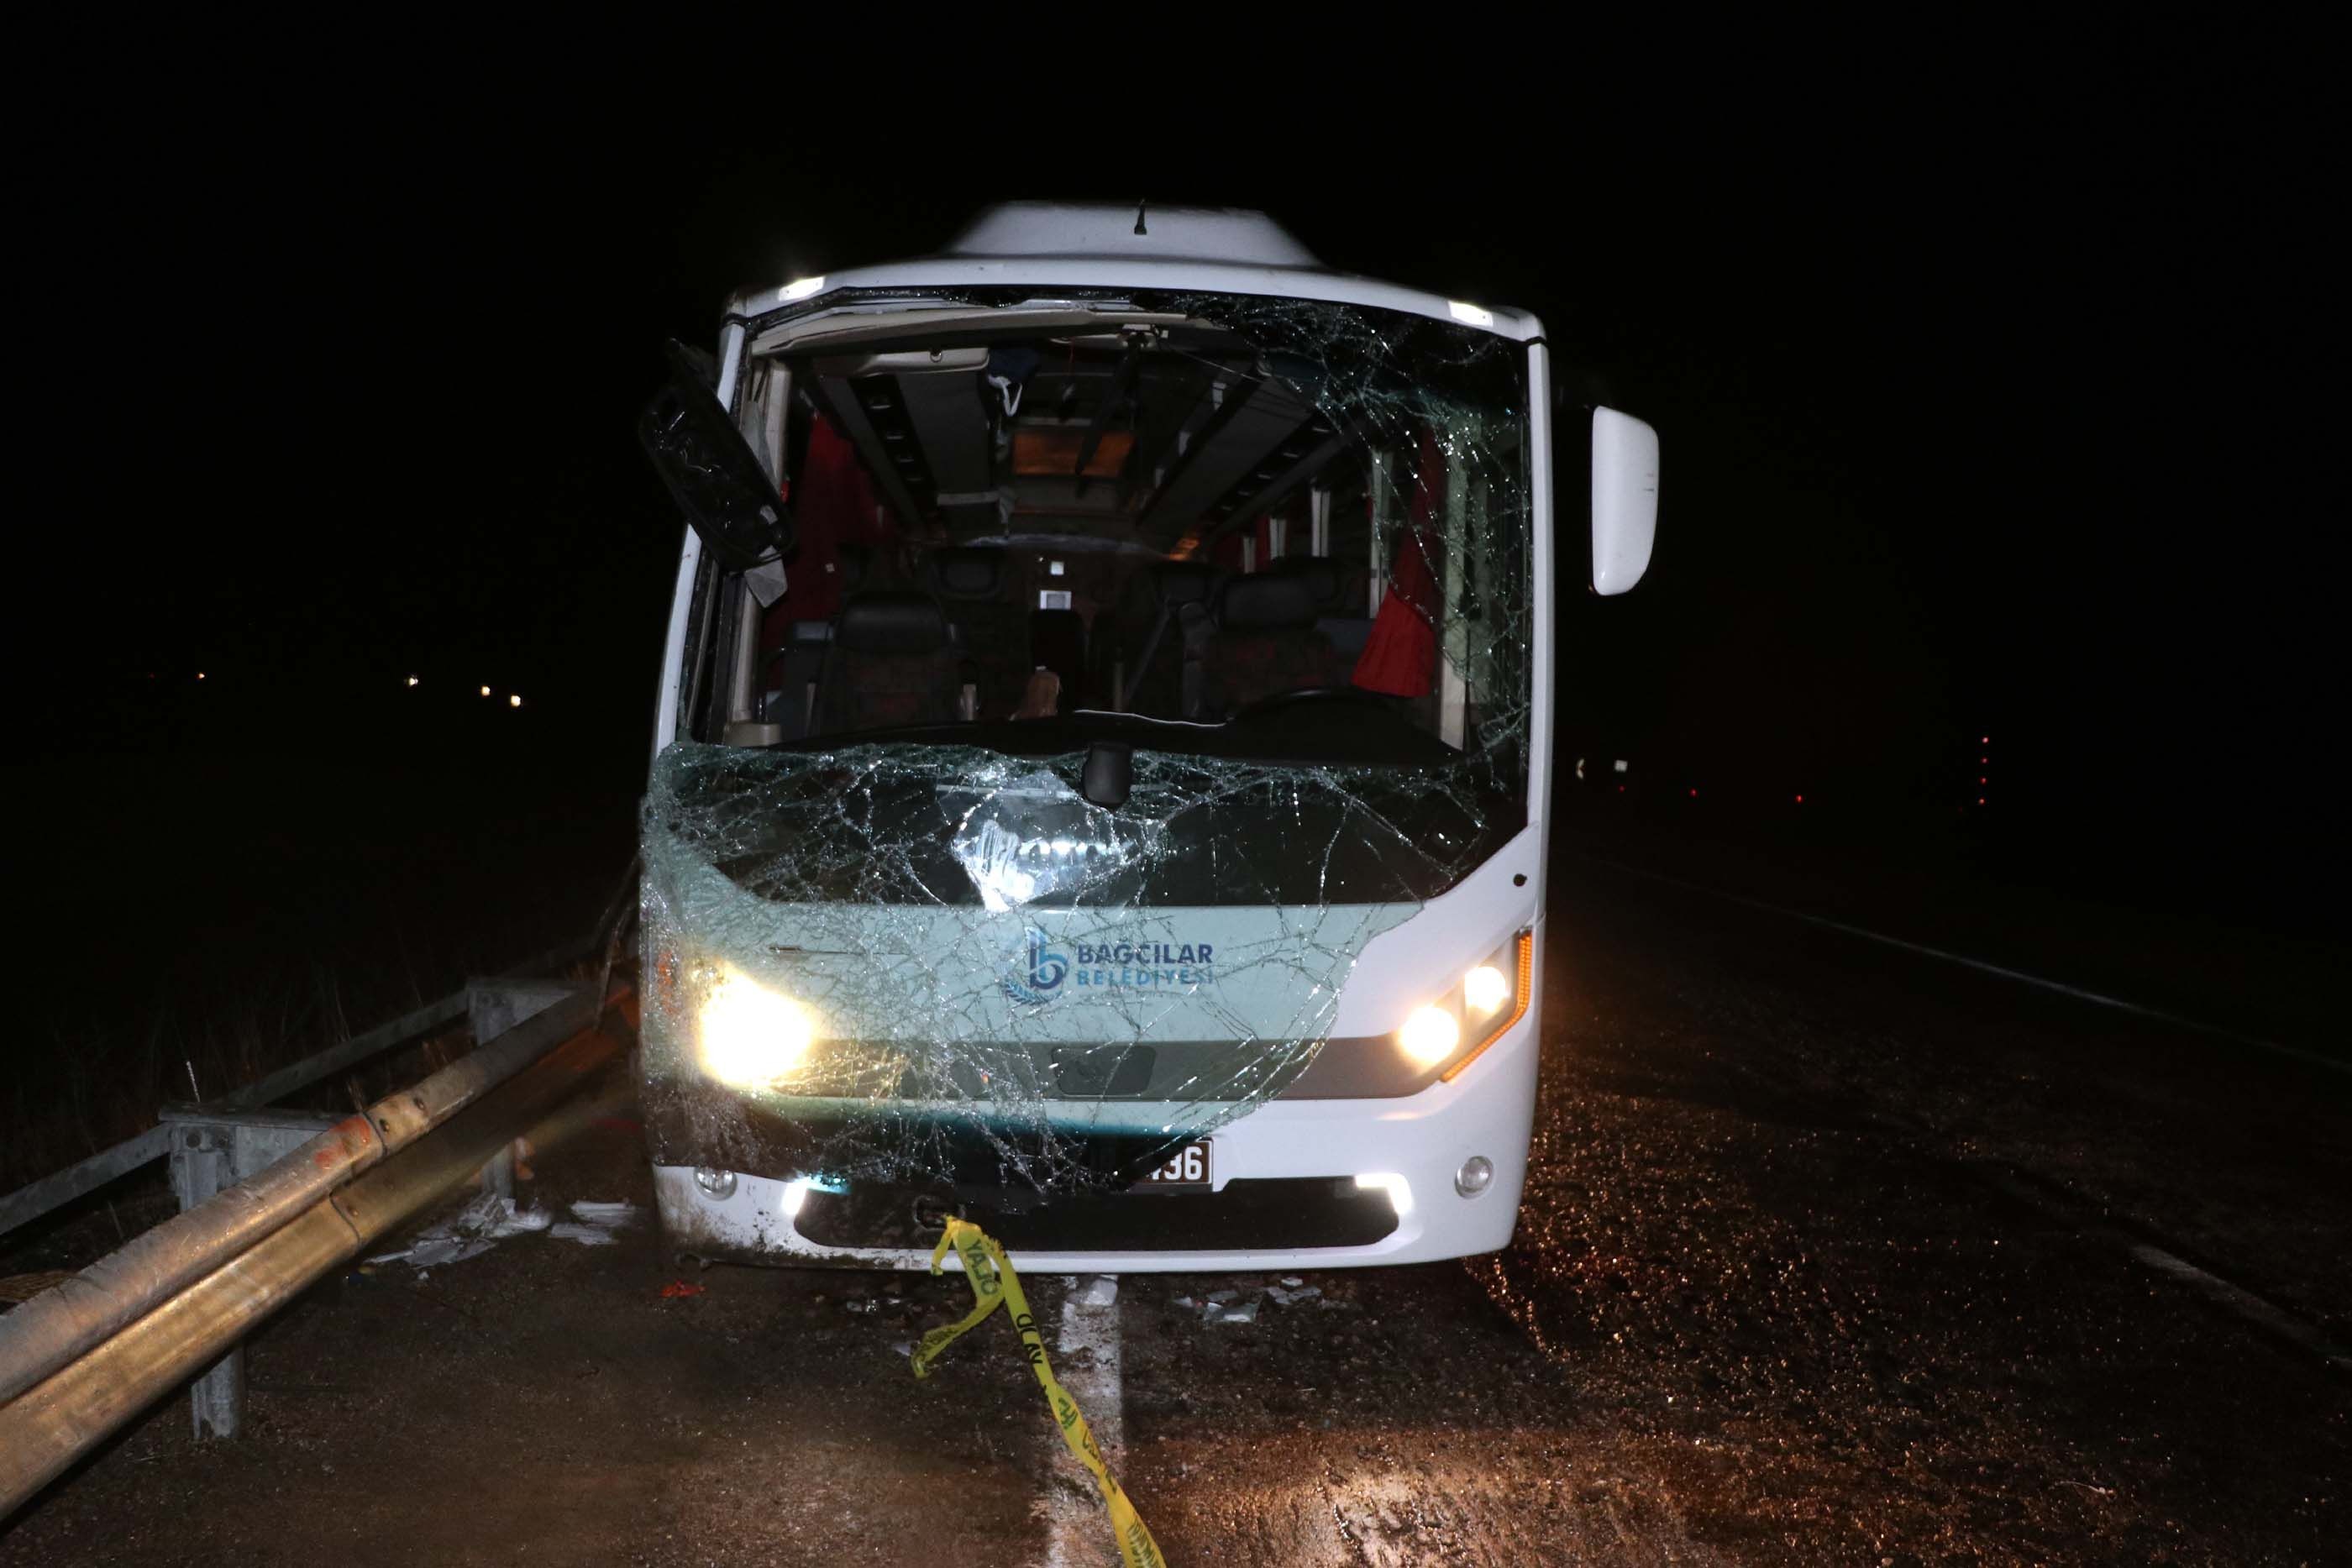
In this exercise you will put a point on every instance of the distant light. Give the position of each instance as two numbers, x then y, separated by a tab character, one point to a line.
1054	569
1980	781
1694	794
1979	799
1470	315
1618	765
1984	741
802	288
1800	800
514	702
1982	760
200	675
1620	788
486	691
412	680
1579	768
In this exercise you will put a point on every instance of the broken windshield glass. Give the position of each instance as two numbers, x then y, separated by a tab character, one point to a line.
1280	547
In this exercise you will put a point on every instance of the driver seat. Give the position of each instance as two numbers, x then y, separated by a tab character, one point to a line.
1267	642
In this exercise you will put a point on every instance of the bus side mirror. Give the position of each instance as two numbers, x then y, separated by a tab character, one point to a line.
712	471
1624	499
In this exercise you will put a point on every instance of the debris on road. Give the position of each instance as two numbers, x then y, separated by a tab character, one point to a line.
442	1249
1241	1306
468	1233
593	1224
678	1289
1100	1292
490	1219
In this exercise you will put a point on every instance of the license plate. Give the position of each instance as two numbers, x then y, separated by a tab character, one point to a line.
1187	1166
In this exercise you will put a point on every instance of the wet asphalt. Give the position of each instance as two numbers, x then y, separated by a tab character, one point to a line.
1830	1253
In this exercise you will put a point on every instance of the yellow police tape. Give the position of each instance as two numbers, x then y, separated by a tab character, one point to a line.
994	1283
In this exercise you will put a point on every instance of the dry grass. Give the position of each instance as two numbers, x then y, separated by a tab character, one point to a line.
94	1087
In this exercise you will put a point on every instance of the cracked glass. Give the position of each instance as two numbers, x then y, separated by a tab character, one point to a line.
1273	554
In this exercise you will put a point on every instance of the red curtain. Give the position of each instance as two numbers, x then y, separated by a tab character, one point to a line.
1400	657
833	505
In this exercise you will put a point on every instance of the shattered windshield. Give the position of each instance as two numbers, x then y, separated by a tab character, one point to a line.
1276	549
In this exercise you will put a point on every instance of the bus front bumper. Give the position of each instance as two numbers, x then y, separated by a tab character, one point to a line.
1295	1183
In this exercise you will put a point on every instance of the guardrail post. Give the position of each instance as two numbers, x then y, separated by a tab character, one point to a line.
496	1007
211	1149
200	1167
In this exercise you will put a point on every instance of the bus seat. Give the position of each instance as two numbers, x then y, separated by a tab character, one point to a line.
1321	575
1164	631
1342	599
975	590
1267	642
891	664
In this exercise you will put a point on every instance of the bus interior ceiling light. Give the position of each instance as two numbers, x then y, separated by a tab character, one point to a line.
999	963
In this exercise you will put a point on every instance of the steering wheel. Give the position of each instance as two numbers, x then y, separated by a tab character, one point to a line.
1318	696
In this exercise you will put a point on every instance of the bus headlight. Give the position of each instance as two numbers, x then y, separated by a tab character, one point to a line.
748	1035
1483	990
1429	1035
1493	996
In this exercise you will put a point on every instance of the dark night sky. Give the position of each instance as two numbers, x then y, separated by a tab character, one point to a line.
1996	406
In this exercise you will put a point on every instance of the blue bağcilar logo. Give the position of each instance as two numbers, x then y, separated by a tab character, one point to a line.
1039	972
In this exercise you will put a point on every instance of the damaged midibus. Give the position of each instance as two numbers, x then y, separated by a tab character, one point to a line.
1102	755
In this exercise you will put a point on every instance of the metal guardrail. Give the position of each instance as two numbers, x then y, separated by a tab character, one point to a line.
247	1278
271	1201
85	1176
66	1319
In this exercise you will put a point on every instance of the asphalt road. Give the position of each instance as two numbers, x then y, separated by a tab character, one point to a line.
1834	1253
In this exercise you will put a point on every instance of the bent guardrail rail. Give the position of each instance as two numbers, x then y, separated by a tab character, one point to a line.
84	1176
82	1357
155	1315
65	1319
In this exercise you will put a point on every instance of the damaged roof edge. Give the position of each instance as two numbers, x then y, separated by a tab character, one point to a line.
1195	250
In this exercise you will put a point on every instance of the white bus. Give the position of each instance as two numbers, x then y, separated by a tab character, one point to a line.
1103	750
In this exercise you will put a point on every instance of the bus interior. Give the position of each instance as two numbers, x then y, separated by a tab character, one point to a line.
1022	514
